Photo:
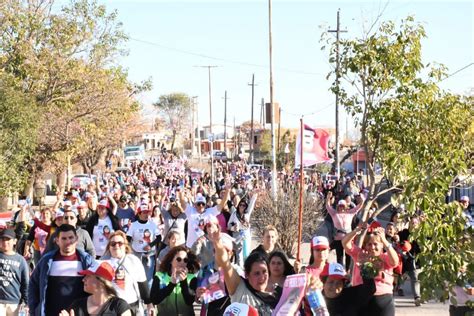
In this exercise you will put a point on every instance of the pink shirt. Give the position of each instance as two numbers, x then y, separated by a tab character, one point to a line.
342	220
222	222
383	281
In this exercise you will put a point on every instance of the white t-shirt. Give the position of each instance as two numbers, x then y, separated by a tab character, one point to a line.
142	235
101	234
127	275
196	221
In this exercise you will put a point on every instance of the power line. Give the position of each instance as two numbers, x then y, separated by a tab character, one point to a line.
309	114
223	59
457	71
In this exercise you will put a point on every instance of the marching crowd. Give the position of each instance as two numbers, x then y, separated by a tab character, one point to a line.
161	238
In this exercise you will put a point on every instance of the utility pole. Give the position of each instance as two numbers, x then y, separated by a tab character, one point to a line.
279	127
337	31
235	143
210	121
274	174
225	122
251	118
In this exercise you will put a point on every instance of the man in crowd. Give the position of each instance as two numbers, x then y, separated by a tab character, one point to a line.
84	241
55	282
13	275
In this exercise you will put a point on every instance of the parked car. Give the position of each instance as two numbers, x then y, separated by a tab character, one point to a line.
82	180
219	155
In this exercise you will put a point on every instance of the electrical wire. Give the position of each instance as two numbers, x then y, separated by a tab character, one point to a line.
182	51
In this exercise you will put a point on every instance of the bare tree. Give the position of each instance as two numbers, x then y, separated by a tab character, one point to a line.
283	214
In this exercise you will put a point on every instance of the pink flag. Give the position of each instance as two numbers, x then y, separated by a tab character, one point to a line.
315	146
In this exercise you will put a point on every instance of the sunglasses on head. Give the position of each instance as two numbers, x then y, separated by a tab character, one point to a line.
117	243
179	259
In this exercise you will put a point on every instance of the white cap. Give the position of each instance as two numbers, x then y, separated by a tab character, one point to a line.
319	242
200	199
239	309
464	198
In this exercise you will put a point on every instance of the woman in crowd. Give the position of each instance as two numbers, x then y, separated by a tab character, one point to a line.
100	225
372	257
317	262
103	299
130	280
252	290
239	227
38	236
342	218
269	244
279	269
174	239
174	286
143	235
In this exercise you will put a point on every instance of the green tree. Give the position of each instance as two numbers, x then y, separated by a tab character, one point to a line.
18	134
420	134
176	110
63	57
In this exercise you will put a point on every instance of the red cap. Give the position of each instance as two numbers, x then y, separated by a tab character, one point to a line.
334	270
101	269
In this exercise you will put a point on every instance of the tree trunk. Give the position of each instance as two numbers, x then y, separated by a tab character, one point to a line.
61	180
85	168
3	204
174	138
28	190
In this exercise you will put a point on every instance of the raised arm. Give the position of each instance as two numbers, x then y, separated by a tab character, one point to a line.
231	277
347	240
224	200
329	208
392	254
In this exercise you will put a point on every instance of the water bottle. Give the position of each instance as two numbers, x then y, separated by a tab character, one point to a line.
317	303
23	310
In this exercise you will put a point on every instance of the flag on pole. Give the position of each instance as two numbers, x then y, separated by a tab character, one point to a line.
315	147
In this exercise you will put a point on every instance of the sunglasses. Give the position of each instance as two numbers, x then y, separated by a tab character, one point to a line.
179	259
200	204
116	243
69	217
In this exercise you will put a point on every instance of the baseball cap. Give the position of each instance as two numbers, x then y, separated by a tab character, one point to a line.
464	198
239	309
123	198
7	233
200	199
103	203
59	213
334	270
342	202
67	204
143	207
101	269
319	242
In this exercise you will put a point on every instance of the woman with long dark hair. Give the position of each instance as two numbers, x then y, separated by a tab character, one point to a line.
239	227
174	285
279	269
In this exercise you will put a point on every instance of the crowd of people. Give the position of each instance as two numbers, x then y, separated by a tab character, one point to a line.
161	239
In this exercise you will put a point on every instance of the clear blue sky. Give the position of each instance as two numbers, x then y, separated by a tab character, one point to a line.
234	34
